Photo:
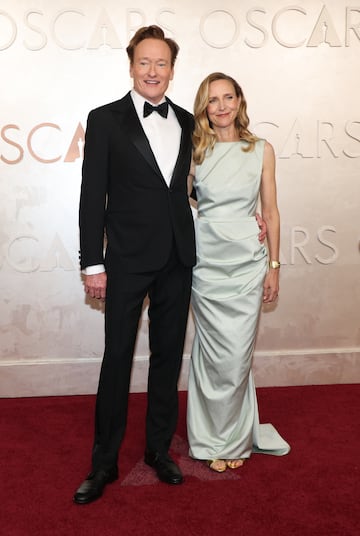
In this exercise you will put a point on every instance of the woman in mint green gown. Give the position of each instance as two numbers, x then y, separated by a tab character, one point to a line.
233	276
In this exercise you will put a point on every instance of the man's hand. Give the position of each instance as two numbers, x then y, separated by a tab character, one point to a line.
262	226
95	286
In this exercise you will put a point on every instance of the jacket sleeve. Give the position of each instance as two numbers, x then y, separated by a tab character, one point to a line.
93	193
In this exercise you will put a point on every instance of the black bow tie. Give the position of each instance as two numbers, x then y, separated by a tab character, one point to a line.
162	109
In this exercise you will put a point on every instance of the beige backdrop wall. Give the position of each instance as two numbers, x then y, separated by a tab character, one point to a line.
299	67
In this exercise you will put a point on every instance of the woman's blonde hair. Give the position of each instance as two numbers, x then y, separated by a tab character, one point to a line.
204	137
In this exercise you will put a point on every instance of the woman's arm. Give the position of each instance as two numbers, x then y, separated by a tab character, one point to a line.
270	214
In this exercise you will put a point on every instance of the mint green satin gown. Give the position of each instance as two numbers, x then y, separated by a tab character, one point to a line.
223	419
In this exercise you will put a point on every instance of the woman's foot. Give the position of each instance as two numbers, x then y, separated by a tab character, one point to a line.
219	466
235	464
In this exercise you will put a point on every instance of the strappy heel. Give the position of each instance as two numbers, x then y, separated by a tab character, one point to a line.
219	466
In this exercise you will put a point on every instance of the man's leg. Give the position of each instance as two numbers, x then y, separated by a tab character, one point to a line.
125	295
168	312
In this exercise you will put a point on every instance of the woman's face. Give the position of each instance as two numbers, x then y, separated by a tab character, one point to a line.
223	104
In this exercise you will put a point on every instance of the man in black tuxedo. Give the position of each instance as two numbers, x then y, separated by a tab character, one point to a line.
134	189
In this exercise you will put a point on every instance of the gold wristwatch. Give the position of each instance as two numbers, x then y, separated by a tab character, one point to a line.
274	264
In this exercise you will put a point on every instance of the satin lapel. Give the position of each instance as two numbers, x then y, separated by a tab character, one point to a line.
136	135
184	142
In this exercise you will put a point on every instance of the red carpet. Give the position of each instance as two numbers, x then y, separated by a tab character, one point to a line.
314	491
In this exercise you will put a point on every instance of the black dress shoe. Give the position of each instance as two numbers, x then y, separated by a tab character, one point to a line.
92	488
166	469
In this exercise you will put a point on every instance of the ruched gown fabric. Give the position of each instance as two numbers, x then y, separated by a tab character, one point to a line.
223	419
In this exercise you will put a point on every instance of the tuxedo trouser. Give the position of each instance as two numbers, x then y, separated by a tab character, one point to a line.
169	294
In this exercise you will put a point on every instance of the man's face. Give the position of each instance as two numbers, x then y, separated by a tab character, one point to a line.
151	69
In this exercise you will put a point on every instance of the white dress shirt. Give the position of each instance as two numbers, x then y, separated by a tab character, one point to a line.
164	135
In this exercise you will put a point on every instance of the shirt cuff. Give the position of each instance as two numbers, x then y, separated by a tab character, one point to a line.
94	269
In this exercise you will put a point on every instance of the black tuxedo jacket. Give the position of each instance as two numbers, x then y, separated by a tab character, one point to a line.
124	194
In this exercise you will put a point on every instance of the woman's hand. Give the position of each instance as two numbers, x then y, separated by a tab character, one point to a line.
262	226
271	285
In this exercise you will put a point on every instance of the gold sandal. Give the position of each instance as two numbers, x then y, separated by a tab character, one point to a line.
235	464
214	465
